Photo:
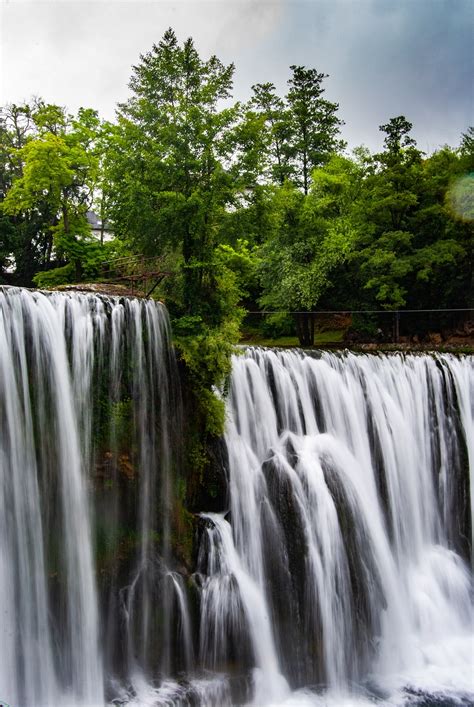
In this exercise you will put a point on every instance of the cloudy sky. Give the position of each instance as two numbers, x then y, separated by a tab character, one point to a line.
383	57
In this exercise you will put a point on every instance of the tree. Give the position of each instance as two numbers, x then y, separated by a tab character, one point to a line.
312	235
170	162
18	245
397	136
301	132
415	245
173	164
54	188
467	148
314	123
390	201
276	129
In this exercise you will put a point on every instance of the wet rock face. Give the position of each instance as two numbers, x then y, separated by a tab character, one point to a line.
207	488
217	478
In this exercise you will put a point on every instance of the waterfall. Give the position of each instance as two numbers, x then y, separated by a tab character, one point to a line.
87	411
331	569
45	519
349	520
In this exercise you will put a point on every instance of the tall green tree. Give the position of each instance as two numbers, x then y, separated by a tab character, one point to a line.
170	162
391	198
415	246
20	246
302	130
315	125
397	137
277	132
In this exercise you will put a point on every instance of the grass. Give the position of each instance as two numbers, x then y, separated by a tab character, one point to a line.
321	338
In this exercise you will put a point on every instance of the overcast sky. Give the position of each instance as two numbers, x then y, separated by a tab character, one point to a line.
383	57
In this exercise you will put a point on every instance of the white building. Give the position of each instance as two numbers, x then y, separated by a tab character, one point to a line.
101	230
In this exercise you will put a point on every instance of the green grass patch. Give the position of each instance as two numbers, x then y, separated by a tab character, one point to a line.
321	338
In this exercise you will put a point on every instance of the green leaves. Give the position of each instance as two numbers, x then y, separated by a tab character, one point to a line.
250	202
312	236
48	170
396	135
301	132
411	251
169	155
54	183
314	123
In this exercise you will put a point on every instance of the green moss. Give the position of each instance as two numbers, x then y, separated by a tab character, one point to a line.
183	526
113	420
121	416
182	537
204	354
119	544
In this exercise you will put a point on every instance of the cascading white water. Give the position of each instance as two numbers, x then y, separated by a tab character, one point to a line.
86	419
336	576
43	479
225	566
348	507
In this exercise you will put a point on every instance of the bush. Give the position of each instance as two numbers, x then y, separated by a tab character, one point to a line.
47	279
277	325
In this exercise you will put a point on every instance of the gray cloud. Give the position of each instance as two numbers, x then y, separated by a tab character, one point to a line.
384	58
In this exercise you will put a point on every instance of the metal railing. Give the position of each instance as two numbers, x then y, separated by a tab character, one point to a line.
139	272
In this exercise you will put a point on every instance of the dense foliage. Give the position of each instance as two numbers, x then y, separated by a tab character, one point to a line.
50	179
251	205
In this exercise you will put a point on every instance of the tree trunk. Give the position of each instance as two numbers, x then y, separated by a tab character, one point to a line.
305	328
